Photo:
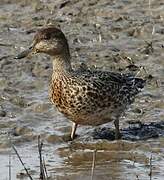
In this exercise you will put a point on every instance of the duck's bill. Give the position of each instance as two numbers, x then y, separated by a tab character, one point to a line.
24	53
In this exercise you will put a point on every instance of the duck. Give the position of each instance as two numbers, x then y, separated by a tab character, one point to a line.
86	96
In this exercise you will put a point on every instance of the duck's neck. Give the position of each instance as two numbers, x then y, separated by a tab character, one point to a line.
62	63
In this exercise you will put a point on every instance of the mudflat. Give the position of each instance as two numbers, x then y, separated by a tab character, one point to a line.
122	36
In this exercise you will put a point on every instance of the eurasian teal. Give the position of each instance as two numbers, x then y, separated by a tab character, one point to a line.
86	97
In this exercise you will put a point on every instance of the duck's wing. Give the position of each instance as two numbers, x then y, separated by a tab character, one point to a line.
119	87
108	78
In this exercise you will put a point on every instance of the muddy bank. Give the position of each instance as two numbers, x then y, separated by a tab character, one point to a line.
122	36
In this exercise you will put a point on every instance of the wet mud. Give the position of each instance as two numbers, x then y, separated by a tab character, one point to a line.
124	36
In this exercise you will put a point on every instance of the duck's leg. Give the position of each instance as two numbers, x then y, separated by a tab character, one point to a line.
117	130
74	127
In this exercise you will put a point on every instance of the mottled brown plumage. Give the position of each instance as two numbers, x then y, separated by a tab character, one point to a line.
87	97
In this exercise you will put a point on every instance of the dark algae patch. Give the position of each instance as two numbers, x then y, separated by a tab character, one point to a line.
135	131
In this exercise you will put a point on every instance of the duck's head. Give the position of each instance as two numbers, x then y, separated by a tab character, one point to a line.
50	40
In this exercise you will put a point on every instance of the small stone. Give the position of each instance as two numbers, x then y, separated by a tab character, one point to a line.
54	139
17	131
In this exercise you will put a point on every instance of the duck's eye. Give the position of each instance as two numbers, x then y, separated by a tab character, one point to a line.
36	50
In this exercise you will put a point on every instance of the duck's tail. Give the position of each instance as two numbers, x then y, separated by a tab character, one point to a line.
139	83
134	86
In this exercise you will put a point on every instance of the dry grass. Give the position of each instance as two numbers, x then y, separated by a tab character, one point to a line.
93	164
43	175
27	172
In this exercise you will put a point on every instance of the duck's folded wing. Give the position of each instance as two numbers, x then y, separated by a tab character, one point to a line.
116	86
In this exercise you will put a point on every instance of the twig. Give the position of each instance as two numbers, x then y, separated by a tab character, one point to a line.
151	15
93	163
7	45
28	174
150	172
45	169
100	37
134	160
157	82
10	165
40	145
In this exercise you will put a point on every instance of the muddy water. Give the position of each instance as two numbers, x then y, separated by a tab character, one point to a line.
106	34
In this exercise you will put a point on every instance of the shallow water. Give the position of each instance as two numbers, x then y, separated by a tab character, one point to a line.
105	34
